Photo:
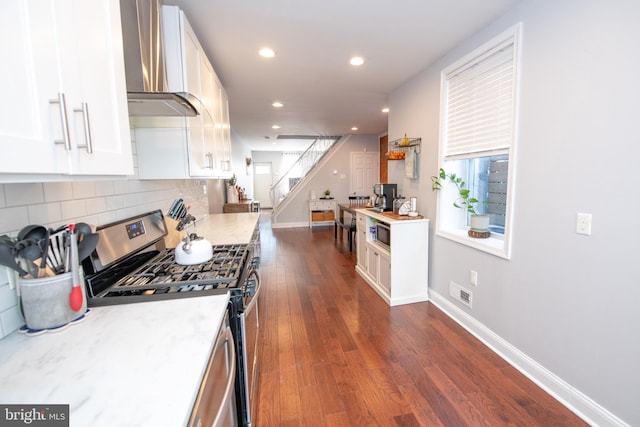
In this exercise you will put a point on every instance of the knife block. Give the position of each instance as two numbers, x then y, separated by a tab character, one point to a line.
45	301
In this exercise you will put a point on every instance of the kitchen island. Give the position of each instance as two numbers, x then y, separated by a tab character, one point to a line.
123	365
398	272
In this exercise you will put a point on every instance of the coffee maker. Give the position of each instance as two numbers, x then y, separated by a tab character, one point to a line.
384	195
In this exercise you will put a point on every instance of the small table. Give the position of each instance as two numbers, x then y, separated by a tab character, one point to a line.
345	207
339	222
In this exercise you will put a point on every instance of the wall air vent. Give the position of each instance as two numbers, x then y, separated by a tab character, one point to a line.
461	294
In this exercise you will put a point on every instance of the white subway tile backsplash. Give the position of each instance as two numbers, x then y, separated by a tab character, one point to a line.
3	203
104	188
57	191
10	320
24	194
44	213
13	219
74	208
114	202
84	189
97	202
96	205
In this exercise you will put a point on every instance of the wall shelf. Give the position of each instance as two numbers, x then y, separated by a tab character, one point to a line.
399	147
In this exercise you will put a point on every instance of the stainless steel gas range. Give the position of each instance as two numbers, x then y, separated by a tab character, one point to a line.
131	264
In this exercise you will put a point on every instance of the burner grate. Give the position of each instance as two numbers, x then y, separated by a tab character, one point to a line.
161	275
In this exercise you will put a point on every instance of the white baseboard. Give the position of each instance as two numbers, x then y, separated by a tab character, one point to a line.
290	225
576	401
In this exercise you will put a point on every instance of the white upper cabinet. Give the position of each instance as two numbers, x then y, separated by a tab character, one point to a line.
198	142
64	73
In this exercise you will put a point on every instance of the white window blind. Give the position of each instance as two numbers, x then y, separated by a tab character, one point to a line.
480	104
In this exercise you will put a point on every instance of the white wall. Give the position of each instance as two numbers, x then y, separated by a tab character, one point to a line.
568	302
296	211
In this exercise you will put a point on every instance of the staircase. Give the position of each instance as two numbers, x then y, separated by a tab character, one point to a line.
299	170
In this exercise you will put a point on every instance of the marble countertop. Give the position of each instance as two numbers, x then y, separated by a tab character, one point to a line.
228	228
219	229
134	364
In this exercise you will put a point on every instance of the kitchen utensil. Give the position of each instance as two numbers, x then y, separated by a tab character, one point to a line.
87	245
172	208
32	232
7	256
55	247
75	297
173	213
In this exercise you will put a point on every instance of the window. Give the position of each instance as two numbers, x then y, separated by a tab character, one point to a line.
477	139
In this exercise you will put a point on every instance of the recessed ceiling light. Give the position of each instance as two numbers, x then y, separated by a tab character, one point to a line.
265	52
385	110
356	61
275	127
277	104
354	128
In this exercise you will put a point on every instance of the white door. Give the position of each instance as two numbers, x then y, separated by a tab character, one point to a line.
262	182
364	173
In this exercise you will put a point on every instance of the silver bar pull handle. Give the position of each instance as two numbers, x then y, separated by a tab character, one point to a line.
87	127
66	140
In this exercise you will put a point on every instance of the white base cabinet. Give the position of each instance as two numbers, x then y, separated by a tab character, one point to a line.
64	77
322	212
399	273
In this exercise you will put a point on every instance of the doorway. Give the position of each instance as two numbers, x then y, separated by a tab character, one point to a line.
384	147
262	183
364	173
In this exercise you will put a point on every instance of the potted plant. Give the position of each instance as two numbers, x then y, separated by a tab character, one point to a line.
327	194
479	222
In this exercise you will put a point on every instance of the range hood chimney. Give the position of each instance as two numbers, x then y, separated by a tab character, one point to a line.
147	87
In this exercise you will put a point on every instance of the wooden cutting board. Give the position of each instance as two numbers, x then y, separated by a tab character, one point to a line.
401	217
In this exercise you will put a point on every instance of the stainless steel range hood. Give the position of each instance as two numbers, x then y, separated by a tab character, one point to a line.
147	88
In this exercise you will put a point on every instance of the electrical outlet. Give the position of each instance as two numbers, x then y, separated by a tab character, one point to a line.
583	224
473	277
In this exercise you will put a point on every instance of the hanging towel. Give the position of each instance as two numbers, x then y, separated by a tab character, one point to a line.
411	164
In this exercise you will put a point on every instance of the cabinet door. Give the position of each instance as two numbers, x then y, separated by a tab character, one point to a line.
360	248
30	122
94	75
372	263
384	271
68	110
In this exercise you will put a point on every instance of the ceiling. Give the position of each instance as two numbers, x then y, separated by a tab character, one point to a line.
310	73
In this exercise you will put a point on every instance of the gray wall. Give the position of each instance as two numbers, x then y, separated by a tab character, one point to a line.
568	302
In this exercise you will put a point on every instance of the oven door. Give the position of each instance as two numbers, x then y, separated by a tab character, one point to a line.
250	325
216	401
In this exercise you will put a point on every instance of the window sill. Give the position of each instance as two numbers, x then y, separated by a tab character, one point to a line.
492	245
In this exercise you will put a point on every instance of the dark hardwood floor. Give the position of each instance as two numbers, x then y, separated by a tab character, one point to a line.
333	353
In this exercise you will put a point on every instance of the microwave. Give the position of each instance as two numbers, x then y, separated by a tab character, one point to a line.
383	233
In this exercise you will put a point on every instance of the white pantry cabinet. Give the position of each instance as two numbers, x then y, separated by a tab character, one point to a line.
64	74
197	141
399	273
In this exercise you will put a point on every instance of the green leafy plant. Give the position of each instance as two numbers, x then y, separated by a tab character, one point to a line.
327	192
464	201
232	181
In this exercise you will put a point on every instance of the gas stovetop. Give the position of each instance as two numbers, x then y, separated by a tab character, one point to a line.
162	278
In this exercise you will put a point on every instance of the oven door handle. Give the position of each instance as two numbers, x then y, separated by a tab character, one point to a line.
229	390
258	288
